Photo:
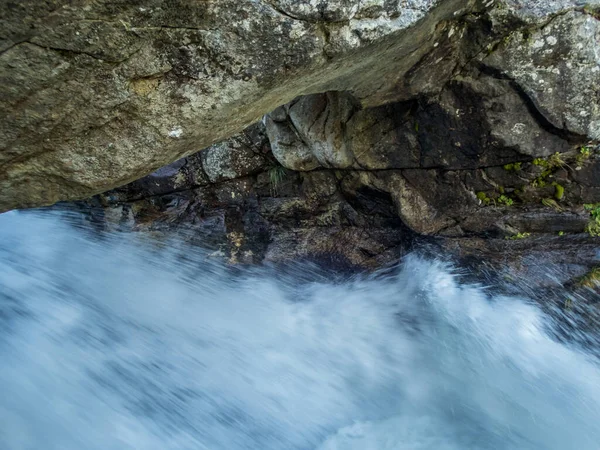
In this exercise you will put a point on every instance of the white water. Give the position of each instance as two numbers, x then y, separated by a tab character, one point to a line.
113	343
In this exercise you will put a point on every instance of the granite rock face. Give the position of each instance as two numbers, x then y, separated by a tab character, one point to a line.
557	66
355	130
98	94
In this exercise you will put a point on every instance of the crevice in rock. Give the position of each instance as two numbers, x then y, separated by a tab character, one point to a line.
286	13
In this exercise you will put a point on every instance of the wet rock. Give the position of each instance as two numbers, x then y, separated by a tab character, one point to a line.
312	132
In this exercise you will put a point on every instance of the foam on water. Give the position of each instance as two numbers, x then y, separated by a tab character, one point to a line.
107	342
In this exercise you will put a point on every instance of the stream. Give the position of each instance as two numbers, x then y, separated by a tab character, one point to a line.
115	341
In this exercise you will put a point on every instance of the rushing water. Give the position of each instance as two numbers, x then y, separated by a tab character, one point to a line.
108	342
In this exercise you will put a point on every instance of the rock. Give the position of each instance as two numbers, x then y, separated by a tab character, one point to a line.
96	95
557	66
534	10
235	158
475	121
481	121
288	147
496	201
462	125
312	133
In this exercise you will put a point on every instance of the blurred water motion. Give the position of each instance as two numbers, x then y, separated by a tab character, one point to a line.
111	342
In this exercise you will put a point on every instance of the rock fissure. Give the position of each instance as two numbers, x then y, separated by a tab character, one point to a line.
284	13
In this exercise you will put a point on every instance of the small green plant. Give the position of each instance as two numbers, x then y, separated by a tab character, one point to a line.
276	176
483	198
585	151
513	167
556	161
539	182
551	203
550	165
552	162
518	236
504	200
559	192
591	279
593	227
561	233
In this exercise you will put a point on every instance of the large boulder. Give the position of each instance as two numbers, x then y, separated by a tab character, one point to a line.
98	94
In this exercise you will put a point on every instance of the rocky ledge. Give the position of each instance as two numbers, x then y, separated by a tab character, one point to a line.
354	130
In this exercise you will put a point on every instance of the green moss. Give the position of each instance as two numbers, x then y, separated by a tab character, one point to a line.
513	167
542	180
538	183
559	191
594	209
552	162
585	151
550	165
561	233
593	227
518	236
484	198
505	200
502	199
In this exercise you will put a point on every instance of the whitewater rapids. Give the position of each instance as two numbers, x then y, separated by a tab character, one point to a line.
111	341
